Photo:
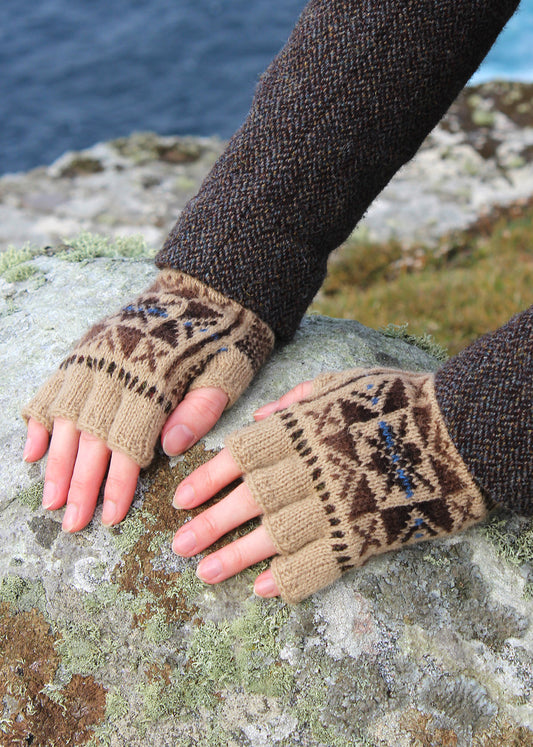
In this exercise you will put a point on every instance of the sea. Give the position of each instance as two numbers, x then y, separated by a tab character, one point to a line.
74	72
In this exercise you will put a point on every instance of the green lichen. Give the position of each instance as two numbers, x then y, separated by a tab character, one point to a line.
87	246
157	629
116	705
159	541
19	273
81	648
188	586
483	118
515	546
22	593
12	588
12	258
32	497
159	700
104	596
243	653
211	663
424	342
129	532
257	648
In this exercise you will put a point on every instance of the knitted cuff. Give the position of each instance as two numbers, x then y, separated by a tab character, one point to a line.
127	374
365	465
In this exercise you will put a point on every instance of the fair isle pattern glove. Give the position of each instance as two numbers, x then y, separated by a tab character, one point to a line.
365	465
128	373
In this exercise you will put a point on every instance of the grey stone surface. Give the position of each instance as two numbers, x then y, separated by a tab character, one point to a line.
429	646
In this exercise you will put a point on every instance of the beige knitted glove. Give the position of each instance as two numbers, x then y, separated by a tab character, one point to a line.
365	465
127	374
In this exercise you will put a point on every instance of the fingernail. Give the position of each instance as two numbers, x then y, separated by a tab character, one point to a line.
27	449
109	513
70	518
184	497
178	439
266	410
209	569
49	494
265	587
185	543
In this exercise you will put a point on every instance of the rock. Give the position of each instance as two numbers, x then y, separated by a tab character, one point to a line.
107	638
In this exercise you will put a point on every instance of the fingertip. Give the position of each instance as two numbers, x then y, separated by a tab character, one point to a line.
178	439
265	585
266	410
36	441
195	415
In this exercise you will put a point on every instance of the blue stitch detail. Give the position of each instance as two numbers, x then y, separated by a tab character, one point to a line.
419	522
375	400
187	324
222	350
369	386
418	535
389	440
153	310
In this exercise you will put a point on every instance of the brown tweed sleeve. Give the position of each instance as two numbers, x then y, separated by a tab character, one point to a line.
347	101
486	397
127	374
364	466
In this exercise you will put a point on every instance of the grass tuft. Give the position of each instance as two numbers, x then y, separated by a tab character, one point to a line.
471	283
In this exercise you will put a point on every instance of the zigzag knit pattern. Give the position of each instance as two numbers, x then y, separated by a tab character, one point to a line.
348	100
486	398
130	370
364	466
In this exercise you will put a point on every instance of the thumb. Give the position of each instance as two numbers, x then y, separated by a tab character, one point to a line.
195	415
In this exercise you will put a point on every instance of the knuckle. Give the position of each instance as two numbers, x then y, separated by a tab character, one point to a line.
203	404
55	464
210	526
236	556
78	487
114	486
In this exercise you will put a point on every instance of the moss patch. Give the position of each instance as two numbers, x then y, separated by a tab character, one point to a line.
28	665
424	342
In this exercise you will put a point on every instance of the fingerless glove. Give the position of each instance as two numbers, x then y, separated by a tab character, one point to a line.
364	466
128	373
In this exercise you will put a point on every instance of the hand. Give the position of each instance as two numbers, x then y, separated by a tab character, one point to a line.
77	462
179	348
236	509
363	466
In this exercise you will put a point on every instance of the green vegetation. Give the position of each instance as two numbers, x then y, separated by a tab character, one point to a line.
16	264
32	497
469	284
89	245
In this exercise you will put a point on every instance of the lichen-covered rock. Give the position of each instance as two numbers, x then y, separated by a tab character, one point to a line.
108	638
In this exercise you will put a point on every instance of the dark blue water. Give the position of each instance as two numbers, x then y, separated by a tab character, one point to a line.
73	72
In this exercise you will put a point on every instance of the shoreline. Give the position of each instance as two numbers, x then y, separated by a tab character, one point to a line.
478	157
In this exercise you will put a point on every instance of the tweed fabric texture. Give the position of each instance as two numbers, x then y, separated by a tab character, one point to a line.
347	101
365	465
486	397
127	374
